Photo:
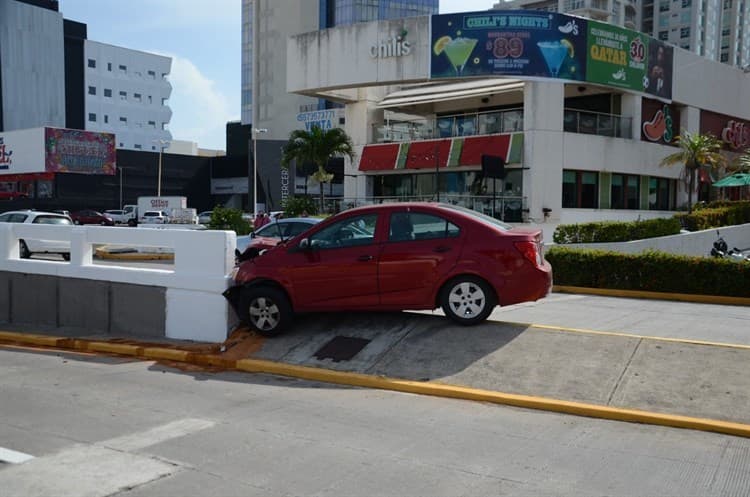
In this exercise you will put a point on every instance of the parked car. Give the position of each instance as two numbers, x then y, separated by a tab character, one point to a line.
28	246
205	217
119	216
89	216
392	257
269	235
154	217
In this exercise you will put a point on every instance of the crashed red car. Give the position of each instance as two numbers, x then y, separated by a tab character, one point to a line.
388	257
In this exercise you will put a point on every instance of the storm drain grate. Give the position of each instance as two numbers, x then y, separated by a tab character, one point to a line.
341	348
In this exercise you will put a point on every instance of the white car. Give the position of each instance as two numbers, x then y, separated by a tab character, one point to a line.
118	216
154	217
204	217
29	247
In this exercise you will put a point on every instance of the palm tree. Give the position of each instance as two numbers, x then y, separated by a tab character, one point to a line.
317	146
696	151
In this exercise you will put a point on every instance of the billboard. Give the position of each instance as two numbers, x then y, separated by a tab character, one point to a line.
511	43
75	151
530	43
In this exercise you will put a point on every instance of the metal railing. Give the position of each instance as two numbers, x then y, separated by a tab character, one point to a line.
597	123
479	123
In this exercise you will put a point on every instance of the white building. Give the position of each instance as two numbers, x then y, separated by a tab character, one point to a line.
579	145
126	94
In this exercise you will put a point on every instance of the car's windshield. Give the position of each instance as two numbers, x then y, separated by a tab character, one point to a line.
480	217
51	220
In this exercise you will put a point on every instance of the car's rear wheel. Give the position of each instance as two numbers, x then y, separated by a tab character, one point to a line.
24	250
266	309
467	300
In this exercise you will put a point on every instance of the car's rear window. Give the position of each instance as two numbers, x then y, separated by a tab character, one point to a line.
51	220
491	221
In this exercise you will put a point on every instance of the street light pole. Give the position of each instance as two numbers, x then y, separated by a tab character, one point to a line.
161	143
255	167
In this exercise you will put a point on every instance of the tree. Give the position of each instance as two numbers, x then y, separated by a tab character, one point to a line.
696	151
317	146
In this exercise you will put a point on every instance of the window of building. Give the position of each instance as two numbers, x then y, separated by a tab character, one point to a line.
150	100
137	146
664	6
120	145
123	95
664	21
109	66
92	63
108	92
123	119
685	17
92	117
106	119
137	97
686	3
684	32
660	194
152	124
152	74
624	191
725	57
164	101
92	90
580	189
663	35
123	68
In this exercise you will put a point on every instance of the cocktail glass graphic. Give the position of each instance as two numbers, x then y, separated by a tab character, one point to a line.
554	53
458	51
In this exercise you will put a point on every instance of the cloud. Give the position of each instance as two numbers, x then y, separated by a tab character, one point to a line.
200	110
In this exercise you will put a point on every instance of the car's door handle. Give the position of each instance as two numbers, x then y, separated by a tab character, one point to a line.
364	258
441	249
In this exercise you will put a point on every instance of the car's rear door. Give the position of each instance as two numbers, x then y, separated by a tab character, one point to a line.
422	247
339	270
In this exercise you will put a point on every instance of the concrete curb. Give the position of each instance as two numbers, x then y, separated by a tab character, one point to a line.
639	294
385	383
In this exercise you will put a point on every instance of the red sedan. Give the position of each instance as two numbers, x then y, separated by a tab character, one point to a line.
394	257
91	217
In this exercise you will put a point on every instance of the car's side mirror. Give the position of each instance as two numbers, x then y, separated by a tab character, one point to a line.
237	252
304	244
252	234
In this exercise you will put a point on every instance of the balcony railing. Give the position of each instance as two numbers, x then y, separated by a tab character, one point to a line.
596	123
480	123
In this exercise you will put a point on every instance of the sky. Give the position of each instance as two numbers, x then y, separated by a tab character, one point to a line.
204	40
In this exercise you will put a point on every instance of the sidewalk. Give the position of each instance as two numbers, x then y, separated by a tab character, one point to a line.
682	382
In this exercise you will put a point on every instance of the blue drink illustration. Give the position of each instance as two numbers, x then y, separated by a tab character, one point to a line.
554	53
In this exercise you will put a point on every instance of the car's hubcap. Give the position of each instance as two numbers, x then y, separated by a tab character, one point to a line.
264	313
467	300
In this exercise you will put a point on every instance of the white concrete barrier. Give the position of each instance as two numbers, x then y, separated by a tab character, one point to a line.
203	260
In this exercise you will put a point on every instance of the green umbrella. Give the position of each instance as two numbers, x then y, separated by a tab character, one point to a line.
736	179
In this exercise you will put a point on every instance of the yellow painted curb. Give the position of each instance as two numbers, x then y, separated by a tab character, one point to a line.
638	294
114	348
29	339
166	354
525	401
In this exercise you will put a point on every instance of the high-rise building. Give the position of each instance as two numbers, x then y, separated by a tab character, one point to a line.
52	75
716	29
266	104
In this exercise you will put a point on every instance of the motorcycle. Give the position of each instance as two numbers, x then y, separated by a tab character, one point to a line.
721	249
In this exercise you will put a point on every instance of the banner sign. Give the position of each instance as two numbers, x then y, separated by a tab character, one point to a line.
512	42
74	151
534	43
660	122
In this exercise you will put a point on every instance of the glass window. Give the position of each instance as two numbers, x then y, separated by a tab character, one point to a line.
349	232
659	194
123	95
92	117
624	190
92	63
109	66
107	92
580	189
684	32
106	118
123	68
92	90
418	226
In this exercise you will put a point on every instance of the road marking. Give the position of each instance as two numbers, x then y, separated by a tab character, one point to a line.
175	429
13	457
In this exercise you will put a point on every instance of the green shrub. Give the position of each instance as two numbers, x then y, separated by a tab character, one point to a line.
295	206
615	231
649	271
223	218
715	215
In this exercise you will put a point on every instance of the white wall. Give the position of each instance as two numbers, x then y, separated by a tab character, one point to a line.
27	150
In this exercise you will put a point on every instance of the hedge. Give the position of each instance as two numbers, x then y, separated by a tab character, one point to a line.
615	231
715	215
649	271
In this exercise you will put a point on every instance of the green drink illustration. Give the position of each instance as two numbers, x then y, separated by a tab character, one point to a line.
554	53
458	51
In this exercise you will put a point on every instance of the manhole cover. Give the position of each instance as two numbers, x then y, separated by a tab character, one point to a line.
341	348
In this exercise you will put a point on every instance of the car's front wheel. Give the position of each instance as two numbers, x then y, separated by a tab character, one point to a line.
266	309
467	300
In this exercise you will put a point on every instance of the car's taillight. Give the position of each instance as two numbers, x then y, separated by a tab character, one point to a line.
530	250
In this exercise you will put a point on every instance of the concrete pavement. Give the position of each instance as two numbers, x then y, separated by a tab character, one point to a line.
595	356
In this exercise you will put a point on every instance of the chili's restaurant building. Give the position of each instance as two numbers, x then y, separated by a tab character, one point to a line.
580	112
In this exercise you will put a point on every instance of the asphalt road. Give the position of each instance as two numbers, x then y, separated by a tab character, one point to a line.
95	426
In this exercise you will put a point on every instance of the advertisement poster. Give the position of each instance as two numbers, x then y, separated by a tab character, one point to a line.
616	56
658	80
512	42
74	151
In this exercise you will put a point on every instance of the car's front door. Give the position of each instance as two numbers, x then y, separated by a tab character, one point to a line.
339	269
421	249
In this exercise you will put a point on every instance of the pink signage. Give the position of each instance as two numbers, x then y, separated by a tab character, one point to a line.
75	151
